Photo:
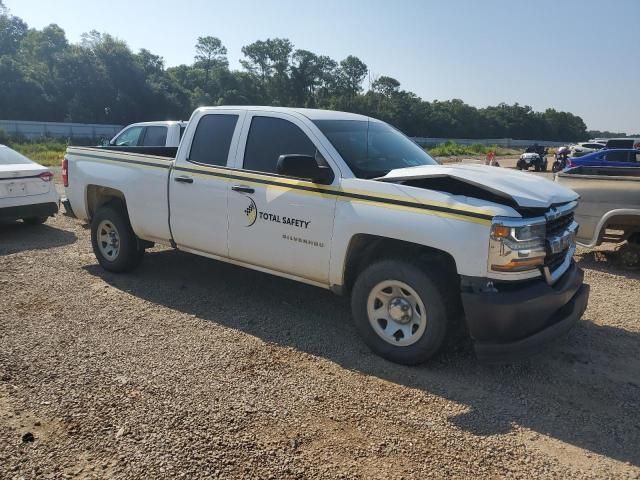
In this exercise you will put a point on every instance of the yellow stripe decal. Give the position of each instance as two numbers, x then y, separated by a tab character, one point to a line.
229	174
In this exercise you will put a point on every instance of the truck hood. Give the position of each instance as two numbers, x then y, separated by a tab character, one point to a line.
526	190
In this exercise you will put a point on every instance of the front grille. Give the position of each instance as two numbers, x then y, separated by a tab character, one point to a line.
559	225
554	260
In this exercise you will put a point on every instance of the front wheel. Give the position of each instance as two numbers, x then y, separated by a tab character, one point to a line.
399	311
114	244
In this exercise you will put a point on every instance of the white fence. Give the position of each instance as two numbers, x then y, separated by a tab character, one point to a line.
31	130
500	142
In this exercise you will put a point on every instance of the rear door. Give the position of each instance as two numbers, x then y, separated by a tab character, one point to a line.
198	184
276	222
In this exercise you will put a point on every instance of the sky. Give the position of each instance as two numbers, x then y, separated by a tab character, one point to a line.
573	55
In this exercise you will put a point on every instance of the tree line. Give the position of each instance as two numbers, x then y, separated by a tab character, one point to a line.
44	77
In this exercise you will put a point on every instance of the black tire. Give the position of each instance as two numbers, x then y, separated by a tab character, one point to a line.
537	168
424	281
130	250
35	220
555	168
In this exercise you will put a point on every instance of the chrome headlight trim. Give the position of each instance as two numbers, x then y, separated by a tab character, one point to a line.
518	254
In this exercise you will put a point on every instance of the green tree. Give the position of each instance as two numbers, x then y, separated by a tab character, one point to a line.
12	31
386	86
210	54
45	46
351	74
270	60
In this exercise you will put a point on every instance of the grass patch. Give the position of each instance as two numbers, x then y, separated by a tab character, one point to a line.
45	151
48	153
452	149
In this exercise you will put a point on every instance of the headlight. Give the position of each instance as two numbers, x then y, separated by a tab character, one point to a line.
517	245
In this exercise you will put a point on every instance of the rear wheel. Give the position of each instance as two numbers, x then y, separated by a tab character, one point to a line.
629	255
35	220
114	244
399	311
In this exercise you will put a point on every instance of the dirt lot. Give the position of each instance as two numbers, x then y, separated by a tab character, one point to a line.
196	369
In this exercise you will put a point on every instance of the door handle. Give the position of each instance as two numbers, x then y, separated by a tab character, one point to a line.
243	189
184	179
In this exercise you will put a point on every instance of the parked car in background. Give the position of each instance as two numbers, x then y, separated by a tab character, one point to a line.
150	134
532	160
534	156
621	157
27	191
609	207
623	143
583	148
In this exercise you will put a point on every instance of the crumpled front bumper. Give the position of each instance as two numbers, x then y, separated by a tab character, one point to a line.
518	321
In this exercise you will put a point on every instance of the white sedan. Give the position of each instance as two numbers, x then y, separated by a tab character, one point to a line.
27	191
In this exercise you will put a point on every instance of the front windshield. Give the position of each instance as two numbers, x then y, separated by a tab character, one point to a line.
372	148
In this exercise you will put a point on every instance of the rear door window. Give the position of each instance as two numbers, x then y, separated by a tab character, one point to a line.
618	156
212	139
155	136
129	138
270	137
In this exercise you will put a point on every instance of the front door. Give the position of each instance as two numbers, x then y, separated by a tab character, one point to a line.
276	222
198	187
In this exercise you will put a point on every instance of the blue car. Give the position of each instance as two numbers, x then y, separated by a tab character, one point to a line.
615	157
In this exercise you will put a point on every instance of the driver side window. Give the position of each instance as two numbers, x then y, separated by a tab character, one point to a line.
129	138
270	137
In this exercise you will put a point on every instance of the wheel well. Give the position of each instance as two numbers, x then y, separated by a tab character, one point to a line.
365	249
629	224
98	196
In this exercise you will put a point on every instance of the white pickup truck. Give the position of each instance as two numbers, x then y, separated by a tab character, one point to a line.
348	203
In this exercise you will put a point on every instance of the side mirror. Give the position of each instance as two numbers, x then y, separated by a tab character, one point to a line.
304	167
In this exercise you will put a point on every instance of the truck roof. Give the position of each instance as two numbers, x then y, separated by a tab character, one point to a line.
158	123
310	113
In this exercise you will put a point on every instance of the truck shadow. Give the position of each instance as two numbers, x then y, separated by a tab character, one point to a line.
17	237
585	391
606	261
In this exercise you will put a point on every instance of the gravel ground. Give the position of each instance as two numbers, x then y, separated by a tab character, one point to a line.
197	369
